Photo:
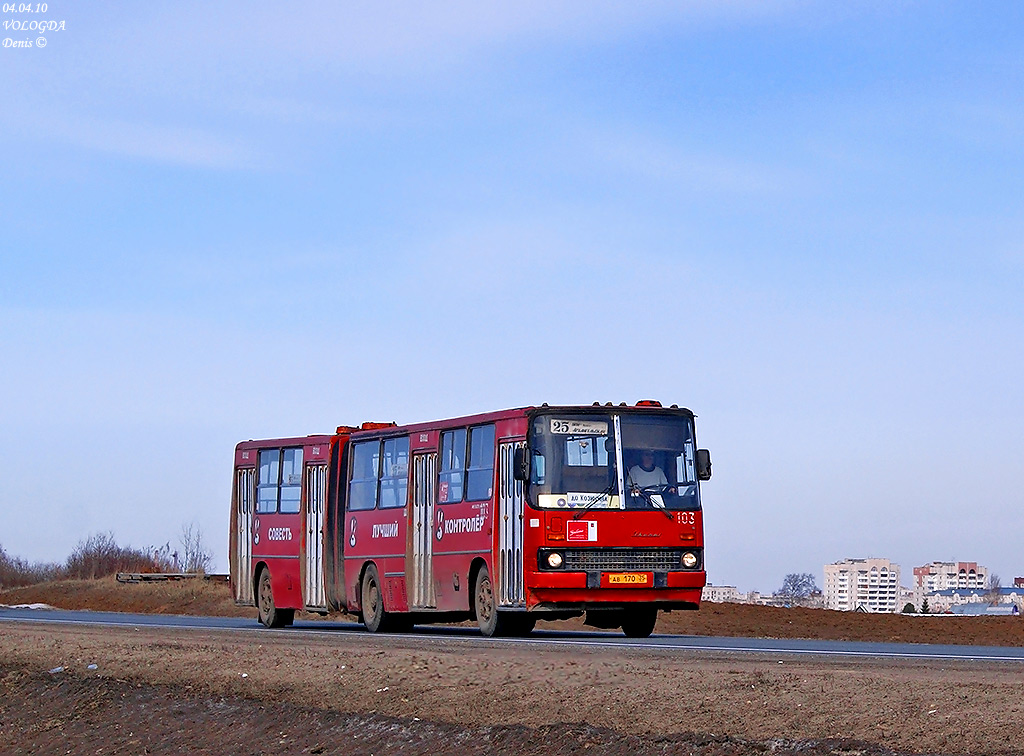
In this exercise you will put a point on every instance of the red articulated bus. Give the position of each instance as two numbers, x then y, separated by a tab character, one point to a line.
506	517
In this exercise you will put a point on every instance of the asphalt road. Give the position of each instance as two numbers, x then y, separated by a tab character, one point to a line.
690	643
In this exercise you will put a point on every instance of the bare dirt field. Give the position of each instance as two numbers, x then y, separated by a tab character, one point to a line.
132	691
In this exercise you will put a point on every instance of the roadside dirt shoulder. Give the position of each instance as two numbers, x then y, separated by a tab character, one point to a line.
118	717
462	692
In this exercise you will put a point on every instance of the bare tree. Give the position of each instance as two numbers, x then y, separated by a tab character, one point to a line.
797	587
995	589
196	556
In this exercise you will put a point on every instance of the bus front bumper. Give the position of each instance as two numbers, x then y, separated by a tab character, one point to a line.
675	589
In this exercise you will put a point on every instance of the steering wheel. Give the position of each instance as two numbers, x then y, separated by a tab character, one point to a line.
647	493
656	489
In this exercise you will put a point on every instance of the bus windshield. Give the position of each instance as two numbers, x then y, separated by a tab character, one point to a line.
613	460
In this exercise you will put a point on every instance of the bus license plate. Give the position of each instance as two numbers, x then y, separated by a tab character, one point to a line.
629	578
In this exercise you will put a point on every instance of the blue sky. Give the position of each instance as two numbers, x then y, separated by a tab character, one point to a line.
801	220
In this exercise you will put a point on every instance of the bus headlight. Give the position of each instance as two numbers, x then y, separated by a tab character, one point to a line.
689	560
554	560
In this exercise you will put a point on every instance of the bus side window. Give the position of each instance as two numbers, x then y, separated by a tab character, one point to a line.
362	487
480	479
685	473
537	469
291	480
266	485
394	478
453	462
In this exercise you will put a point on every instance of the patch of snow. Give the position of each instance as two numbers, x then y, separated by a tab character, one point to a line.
26	606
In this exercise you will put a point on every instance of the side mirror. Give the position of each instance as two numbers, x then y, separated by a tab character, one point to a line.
520	464
703	464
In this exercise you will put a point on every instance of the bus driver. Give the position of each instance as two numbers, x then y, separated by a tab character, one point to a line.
648	474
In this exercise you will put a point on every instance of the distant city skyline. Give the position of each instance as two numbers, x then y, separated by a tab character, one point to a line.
908	577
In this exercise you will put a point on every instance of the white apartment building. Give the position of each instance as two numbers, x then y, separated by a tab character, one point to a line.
718	594
942	576
869	585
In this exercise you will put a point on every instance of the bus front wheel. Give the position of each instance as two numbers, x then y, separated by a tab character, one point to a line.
269	614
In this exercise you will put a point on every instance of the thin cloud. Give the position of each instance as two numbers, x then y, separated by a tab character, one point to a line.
173	145
397	34
657	161
159	143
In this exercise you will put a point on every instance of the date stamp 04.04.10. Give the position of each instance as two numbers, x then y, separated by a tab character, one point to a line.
26	26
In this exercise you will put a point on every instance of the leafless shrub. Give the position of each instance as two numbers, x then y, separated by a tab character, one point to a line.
16	572
196	556
99	555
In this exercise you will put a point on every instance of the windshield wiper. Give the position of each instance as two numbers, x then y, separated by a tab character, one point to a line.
649	498
597	498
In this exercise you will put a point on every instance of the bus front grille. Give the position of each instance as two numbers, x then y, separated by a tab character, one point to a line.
622	559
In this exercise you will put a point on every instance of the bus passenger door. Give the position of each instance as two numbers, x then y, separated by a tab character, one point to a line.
245	497
315	592
510	533
424	475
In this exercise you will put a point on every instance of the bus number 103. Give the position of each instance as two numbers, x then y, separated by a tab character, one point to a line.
25	7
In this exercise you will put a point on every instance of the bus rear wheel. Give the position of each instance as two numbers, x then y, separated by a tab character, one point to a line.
268	613
639	622
375	617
